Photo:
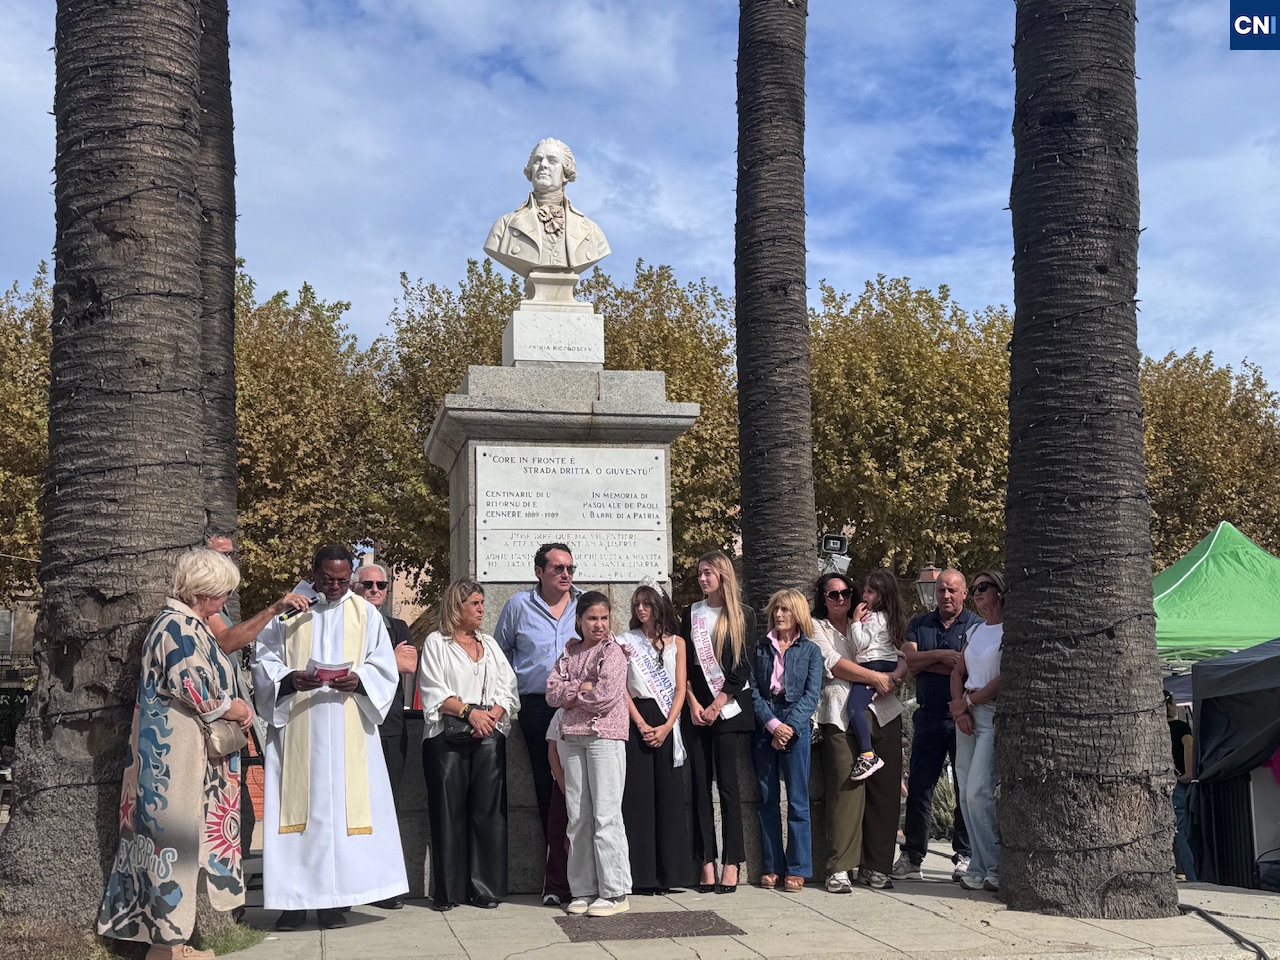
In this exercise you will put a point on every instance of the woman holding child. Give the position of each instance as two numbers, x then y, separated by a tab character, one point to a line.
861	814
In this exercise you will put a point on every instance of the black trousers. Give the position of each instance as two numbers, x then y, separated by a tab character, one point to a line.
932	742
653	809
712	753
534	718
395	749
467	797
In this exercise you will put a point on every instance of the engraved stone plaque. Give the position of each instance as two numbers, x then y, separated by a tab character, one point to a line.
609	504
544	336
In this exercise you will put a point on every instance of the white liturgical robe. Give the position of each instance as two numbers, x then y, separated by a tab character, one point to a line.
334	857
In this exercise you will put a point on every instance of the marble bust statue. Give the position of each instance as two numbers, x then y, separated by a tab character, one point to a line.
547	233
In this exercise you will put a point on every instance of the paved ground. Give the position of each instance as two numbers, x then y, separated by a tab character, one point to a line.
932	919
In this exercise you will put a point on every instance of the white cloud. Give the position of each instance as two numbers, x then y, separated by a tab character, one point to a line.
375	136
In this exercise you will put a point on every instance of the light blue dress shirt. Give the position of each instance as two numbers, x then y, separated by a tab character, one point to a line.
532	638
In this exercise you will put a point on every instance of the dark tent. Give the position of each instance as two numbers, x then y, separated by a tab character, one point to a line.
1237	729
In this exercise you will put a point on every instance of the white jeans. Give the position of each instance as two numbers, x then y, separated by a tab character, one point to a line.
976	773
595	772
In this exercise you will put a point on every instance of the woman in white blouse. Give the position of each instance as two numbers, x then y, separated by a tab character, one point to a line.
975	685
469	696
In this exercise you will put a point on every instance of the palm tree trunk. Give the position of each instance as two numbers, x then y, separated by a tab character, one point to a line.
215	185
779	534
1083	756
122	496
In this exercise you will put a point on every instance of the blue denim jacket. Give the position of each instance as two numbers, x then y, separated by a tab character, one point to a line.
801	681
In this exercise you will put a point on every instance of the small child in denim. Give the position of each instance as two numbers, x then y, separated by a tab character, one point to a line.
877	632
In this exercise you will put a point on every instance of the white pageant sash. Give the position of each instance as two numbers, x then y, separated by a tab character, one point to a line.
707	659
659	683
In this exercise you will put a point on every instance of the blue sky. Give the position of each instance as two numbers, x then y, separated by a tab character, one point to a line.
375	136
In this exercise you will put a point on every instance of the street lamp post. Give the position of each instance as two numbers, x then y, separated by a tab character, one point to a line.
927	587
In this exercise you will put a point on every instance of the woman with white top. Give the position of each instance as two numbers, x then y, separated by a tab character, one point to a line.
653	799
861	816
975	685
719	634
469	696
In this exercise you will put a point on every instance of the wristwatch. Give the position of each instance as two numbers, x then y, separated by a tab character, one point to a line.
466	711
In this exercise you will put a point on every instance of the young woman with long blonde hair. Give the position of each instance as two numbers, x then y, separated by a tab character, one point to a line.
719	632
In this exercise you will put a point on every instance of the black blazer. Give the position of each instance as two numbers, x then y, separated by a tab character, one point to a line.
393	725
737	676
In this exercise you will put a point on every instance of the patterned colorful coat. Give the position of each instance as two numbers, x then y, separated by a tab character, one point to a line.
179	810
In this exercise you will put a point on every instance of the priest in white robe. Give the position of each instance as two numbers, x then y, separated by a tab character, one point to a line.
330	838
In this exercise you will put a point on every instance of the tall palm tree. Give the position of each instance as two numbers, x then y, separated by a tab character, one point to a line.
122	495
1083	755
215	186
779	536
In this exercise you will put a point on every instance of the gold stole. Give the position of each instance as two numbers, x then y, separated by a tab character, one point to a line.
295	766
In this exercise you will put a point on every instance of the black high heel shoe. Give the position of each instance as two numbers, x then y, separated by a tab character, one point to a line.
709	887
724	887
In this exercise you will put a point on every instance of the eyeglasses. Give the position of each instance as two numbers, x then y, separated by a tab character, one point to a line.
374	584
560	568
984	586
844	594
336	581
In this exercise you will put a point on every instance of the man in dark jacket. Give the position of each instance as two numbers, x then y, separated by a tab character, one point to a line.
934	642
371	582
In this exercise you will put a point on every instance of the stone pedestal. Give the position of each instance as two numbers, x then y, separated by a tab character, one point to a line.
552	329
555	450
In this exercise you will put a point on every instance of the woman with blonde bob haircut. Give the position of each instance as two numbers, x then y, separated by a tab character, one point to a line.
469	696
719	633
181	790
788	669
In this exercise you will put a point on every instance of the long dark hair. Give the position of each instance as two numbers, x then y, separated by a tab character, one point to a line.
663	612
885	584
820	593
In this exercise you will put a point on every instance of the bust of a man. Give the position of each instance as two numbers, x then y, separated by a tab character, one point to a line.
547	232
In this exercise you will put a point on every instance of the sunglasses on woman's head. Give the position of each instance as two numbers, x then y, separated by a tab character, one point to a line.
844	594
984	586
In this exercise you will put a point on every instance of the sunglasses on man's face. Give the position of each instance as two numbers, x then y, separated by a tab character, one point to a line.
560	568
984	586
844	594
374	584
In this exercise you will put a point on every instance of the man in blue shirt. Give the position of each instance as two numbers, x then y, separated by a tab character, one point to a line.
532	630
933	645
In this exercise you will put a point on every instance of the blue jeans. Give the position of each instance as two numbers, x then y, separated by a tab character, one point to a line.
976	771
792	767
1182	855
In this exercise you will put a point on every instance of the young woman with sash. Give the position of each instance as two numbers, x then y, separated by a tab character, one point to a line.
653	800
719	633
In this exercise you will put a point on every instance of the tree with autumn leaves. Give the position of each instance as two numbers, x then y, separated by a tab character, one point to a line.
909	434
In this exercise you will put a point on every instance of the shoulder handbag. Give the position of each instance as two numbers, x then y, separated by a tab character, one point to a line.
221	737
457	730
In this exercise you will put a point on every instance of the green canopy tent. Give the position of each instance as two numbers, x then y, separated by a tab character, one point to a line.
1224	595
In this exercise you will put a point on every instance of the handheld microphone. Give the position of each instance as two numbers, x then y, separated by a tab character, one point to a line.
290	614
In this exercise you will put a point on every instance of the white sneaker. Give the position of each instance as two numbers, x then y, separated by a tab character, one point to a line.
579	905
604	907
962	867
550	900
838	882
906	869
970	883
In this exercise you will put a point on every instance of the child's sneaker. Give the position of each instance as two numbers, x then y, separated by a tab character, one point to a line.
864	767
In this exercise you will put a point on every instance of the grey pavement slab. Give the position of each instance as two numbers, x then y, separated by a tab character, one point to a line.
924	920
